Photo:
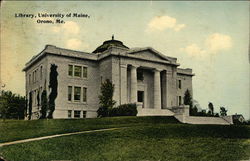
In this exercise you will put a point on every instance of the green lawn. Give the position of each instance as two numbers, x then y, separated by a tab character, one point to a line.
11	130
148	138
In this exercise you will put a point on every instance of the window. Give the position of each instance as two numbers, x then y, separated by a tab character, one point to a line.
69	93
41	72
140	75
78	71
85	72
29	78
70	72
77	114
140	96
33	77
77	93
84	94
179	84
69	113
180	100
84	114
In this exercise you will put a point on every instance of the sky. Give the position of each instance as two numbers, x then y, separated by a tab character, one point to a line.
210	37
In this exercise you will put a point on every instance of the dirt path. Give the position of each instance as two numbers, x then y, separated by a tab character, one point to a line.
58	135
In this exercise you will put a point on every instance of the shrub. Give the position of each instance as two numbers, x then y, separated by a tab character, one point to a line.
124	110
106	98
102	111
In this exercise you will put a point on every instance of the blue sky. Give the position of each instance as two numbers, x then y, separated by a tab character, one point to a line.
210	37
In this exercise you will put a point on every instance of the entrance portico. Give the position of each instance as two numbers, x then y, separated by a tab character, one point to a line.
152	92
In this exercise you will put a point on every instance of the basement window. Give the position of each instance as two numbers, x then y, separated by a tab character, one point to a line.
84	114
69	113
77	114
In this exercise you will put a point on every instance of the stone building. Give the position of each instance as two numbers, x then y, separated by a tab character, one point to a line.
140	75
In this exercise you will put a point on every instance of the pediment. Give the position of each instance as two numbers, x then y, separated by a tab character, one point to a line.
149	53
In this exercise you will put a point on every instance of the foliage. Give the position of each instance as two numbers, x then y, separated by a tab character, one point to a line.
188	99
216	115
30	105
12	106
44	104
211	108
193	111
53	84
102	111
124	110
106	98
223	111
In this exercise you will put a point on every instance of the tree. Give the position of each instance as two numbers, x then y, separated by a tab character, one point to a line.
223	111
44	104
106	98
193	111
12	106
189	101
30	106
211	108
53	84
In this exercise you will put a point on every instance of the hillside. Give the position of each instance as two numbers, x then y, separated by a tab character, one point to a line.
145	138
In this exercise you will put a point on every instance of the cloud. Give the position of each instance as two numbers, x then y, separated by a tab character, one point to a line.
212	45
70	27
76	44
160	23
179	27
217	42
193	50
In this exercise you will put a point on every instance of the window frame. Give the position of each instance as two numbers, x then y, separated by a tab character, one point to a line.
84	114
83	73
75	111
179	84
69	113
80	72
180	100
70	93
86	93
76	100
72	70
41	72
140	75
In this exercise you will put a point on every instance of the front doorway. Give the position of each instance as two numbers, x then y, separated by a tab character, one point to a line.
140	97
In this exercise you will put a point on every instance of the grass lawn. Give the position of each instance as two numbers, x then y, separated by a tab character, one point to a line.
149	138
11	130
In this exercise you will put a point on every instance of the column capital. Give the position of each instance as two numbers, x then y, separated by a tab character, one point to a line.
134	66
124	65
157	70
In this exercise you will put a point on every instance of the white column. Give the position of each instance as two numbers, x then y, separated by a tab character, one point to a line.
123	84
133	94
157	89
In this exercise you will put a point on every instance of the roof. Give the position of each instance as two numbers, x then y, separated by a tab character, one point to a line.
187	71
109	43
108	48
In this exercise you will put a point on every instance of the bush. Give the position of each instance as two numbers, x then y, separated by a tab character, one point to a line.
123	110
106	98
102	111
